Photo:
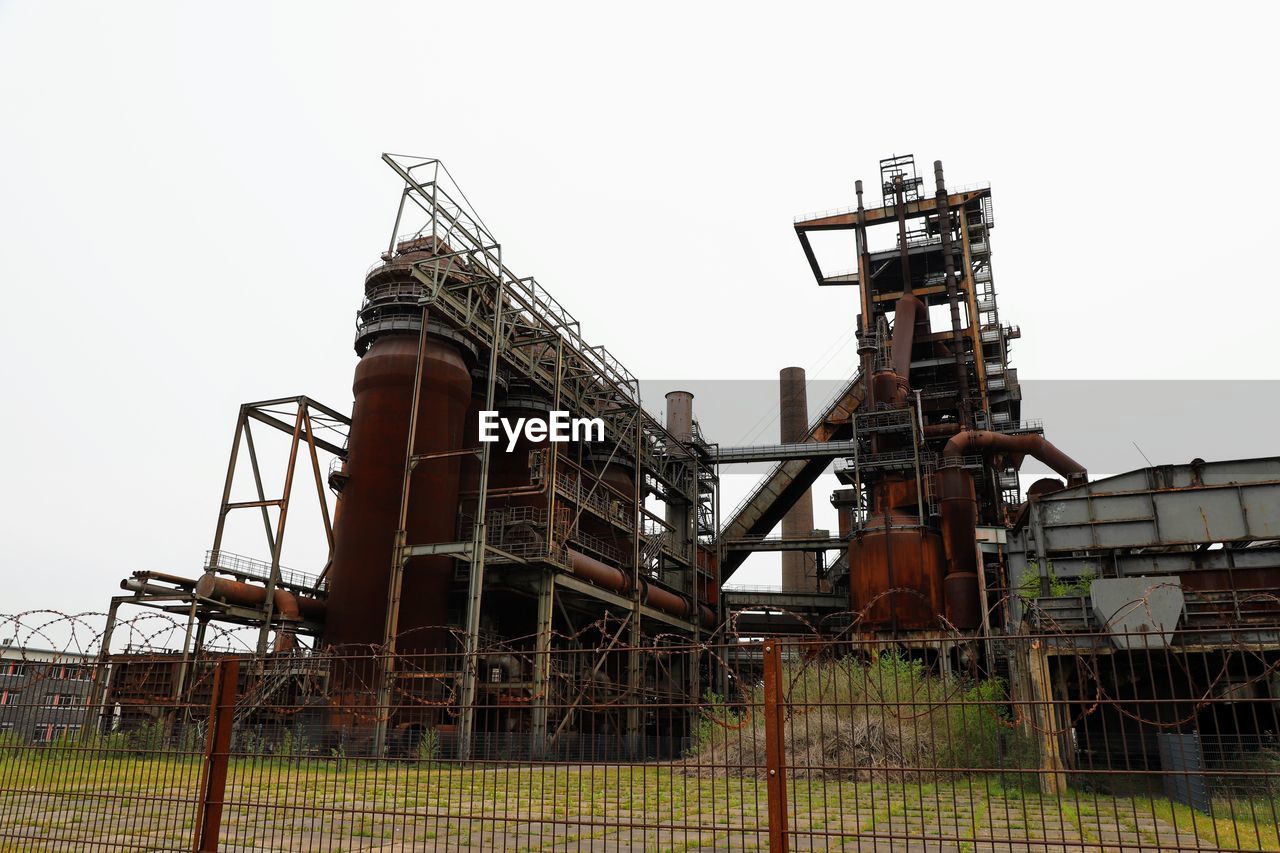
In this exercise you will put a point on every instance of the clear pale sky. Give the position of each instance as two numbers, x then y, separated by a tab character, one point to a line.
189	197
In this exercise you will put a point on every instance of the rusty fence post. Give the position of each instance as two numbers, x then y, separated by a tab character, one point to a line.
213	773
774	746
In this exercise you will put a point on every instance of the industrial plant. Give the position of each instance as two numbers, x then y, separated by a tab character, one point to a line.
492	555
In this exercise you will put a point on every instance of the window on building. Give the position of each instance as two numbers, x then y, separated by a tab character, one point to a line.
9	697
13	667
50	732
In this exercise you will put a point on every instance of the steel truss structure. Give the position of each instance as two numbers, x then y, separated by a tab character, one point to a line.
312	428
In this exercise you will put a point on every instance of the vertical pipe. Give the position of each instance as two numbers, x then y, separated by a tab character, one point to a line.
904	257
953	296
799	568
866	340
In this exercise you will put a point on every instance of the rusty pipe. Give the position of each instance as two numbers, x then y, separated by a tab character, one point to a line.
891	387
615	579
906	319
904	256
233	592
941	429
176	580
1035	446
286	605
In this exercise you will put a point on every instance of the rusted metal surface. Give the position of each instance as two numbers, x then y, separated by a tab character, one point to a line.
1015	447
618	580
775	745
895	575
213	778
364	537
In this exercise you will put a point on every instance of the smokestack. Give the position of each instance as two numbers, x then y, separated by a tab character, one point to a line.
680	425
799	568
680	415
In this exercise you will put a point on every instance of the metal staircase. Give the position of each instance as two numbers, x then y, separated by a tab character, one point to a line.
765	506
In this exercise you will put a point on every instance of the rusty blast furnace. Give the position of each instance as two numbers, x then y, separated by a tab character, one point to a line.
490	559
928	437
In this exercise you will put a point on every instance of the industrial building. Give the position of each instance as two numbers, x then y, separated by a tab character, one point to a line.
43	693
440	543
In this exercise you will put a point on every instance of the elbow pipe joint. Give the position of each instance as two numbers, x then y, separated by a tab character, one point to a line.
1019	446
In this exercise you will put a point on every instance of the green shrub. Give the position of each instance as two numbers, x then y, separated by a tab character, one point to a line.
429	746
1029	585
856	718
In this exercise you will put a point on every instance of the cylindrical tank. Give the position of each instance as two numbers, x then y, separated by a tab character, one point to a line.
895	553
799	568
364	538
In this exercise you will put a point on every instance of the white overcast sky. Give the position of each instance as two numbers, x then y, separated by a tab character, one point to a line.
190	194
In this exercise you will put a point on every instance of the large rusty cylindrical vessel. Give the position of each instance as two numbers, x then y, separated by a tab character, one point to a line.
364	539
895	575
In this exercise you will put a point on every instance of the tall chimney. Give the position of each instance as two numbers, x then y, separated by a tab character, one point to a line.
799	568
680	425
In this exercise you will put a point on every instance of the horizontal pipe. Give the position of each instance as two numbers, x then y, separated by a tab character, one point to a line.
176	580
939	430
617	580
135	585
1035	446
286	604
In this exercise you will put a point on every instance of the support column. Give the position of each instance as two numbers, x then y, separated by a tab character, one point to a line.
542	667
1052	780
101	686
635	661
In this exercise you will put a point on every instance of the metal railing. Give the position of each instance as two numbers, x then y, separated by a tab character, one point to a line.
841	211
248	567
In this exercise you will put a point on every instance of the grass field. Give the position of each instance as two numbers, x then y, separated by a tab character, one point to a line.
86	801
